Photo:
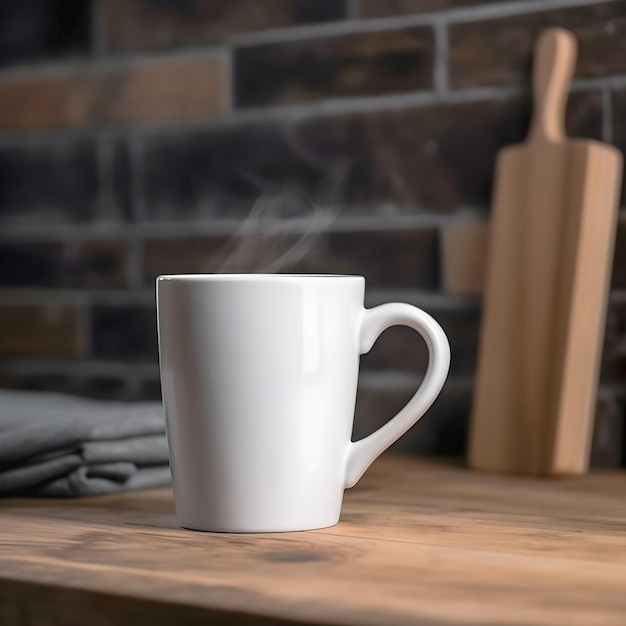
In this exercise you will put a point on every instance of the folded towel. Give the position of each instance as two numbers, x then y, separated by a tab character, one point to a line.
61	446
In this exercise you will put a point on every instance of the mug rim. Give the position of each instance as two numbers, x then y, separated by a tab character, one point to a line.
254	277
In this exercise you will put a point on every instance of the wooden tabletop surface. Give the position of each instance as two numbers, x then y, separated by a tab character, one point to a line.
419	542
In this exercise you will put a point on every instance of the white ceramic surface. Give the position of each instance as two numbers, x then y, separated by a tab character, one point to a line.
259	379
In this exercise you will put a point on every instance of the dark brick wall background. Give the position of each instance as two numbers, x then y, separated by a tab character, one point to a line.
136	135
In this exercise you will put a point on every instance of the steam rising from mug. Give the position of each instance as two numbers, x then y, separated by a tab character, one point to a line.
281	230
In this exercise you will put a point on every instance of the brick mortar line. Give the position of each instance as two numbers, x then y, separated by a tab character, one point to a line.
236	117
92	65
139	374
145	296
617	296
135	260
607	116
612	391
469	213
74	297
97	29
440	259
71	233
138	210
108	207
286	114
370	378
401	380
615	81
480	12
85	325
373	380
377	380
135	150
352	9
420	220
80	368
227	79
240	117
487	12
406	381
104	163
440	63
218	227
64	232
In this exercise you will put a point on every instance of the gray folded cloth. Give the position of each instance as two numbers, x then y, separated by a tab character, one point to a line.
61	446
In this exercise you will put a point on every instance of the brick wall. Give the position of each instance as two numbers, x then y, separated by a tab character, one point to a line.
134	134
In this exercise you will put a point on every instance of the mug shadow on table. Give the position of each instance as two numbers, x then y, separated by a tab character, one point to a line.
154	508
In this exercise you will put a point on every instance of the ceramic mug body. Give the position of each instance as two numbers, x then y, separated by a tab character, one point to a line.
259	377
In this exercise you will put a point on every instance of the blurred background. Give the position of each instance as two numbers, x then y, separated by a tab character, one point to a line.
136	136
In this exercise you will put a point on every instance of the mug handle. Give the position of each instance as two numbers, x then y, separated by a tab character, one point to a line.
362	453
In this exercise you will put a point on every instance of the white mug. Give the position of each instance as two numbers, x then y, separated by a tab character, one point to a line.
259	379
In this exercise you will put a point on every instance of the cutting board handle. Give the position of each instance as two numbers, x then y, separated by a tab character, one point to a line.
555	56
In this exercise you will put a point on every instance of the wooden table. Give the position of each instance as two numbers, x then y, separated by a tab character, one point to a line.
419	542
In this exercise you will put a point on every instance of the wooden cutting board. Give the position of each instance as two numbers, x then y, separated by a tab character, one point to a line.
551	242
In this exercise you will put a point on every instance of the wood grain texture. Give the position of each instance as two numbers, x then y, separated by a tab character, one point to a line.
419	542
551	243
464	256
